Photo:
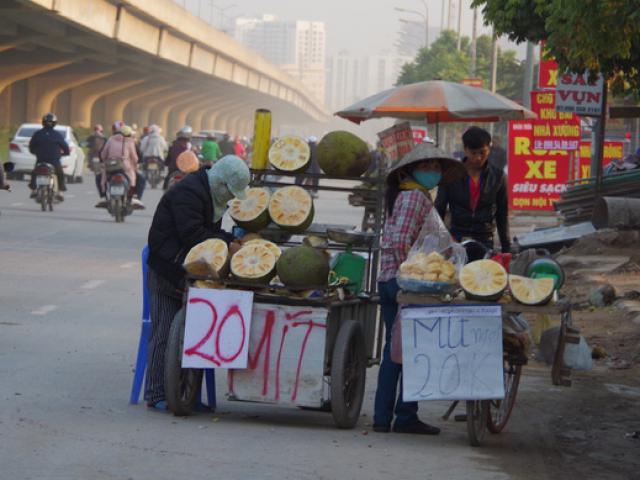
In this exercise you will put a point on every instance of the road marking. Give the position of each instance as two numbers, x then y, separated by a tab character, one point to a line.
17	204
129	265
91	284
44	310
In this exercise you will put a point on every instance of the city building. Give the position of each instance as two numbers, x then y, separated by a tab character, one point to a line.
299	47
351	78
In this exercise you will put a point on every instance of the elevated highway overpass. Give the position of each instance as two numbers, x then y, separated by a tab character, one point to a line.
144	61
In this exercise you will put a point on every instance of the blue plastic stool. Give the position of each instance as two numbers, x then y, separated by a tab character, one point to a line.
145	333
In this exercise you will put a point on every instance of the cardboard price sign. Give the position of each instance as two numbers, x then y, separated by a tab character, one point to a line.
536	177
217	326
452	353
612	151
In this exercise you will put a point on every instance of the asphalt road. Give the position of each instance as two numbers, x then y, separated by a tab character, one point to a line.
70	296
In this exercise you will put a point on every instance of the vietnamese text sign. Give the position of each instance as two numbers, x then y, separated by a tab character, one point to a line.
612	151
286	357
452	353
536	177
547	70
553	130
397	140
574	93
217	327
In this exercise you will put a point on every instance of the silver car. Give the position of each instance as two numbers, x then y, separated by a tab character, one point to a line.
24	161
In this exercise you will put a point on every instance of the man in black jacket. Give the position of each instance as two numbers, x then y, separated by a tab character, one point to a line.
478	201
189	213
48	145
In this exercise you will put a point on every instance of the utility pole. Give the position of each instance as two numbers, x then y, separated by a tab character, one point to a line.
494	62
528	77
449	16
444	8
459	43
474	33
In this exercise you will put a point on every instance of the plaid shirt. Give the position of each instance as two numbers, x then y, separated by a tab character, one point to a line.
401	231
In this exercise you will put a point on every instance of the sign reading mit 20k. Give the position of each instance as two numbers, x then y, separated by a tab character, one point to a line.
452	353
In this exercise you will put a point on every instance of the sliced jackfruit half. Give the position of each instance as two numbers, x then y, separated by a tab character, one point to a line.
291	208
208	258
483	280
252	213
531	291
290	154
254	263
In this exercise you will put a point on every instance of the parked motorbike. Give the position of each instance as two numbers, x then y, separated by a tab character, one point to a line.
46	185
117	190
153	170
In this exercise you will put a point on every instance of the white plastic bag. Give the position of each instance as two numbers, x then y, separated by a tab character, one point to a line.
434	260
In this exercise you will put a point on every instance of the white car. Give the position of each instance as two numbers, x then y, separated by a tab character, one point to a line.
24	161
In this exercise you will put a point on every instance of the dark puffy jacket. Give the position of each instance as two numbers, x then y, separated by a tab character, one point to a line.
183	218
48	145
178	146
491	212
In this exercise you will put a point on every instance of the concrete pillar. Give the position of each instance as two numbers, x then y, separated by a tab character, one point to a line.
117	102
142	107
15	72
84	97
161	113
43	89
178	114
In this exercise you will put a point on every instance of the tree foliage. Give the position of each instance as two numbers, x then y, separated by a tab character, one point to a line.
442	61
598	35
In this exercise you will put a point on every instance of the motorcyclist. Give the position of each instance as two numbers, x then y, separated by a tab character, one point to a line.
179	145
153	145
122	145
95	142
48	145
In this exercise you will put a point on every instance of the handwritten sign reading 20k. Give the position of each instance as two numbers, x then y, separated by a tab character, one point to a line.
452	353
217	327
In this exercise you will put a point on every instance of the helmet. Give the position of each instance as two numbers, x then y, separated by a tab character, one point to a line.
185	132
187	162
126	131
98	128
49	120
146	130
117	125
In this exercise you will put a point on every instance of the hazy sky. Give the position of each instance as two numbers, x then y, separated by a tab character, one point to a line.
359	26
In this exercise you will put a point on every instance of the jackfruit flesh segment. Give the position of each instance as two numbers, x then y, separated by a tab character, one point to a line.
290	206
270	245
248	209
483	278
531	291
253	261
432	267
207	257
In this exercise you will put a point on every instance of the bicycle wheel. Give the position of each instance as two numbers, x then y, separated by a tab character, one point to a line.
500	410
477	414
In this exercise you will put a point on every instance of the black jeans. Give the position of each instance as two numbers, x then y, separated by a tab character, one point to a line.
62	186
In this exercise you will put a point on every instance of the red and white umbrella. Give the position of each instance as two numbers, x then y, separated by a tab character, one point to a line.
437	101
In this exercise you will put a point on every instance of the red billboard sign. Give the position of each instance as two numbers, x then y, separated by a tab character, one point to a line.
536	177
547	71
612	151
553	130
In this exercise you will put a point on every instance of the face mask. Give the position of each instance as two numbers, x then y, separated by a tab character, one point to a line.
427	179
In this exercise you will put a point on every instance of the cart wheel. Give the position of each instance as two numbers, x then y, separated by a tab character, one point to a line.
500	410
181	385
477	415
348	372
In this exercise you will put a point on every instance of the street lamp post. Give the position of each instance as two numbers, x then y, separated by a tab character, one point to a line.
424	16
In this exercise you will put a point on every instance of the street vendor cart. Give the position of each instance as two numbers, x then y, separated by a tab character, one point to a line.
304	351
492	414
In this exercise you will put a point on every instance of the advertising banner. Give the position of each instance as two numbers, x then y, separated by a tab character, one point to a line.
547	71
536	177
397	140
574	93
612	151
553	130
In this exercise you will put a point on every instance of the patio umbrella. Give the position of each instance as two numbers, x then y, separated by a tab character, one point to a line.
437	101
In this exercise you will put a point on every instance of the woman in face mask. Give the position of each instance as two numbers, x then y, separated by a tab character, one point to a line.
408	201
190	213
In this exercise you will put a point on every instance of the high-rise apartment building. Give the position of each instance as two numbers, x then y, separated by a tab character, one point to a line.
351	78
297	46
